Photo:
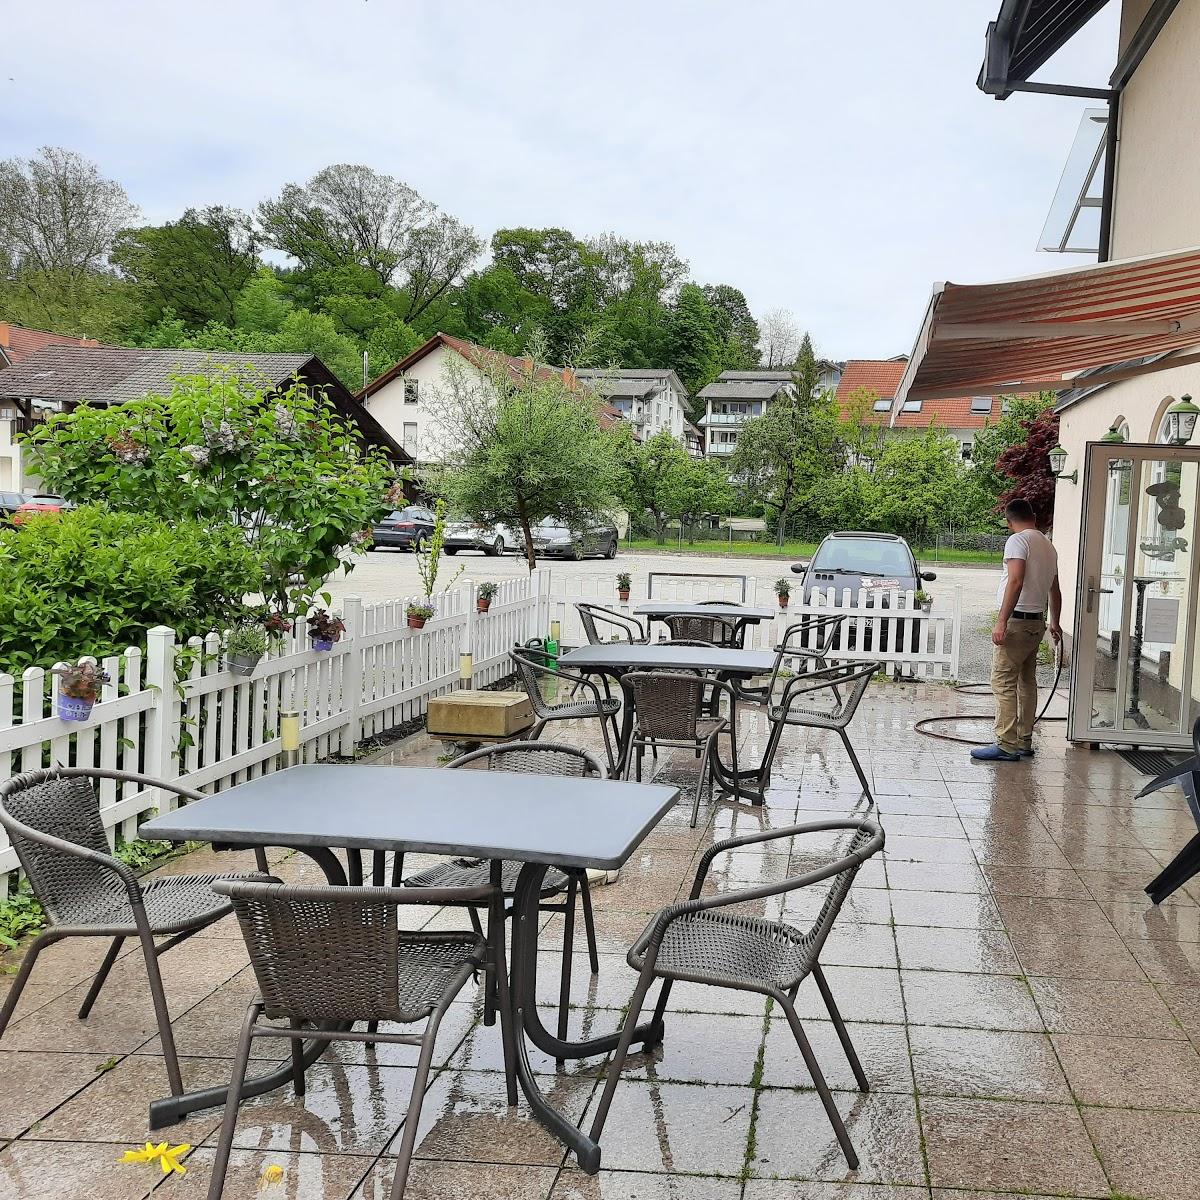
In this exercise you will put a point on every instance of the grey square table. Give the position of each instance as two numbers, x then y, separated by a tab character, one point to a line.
539	820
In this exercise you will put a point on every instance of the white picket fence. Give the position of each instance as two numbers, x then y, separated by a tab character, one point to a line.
173	712
211	728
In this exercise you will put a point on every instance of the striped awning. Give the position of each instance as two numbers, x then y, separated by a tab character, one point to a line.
1040	333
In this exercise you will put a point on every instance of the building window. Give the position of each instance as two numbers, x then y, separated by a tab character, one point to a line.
410	391
882	405
408	437
911	406
981	404
1073	223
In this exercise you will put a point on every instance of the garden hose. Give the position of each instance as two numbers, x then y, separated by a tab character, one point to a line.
981	689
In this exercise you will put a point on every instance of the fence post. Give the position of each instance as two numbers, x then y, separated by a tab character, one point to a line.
956	635
352	675
467	645
163	719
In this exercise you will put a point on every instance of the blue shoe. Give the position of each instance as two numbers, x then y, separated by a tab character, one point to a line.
994	754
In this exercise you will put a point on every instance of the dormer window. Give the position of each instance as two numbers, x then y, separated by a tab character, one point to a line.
911	406
981	404
882	405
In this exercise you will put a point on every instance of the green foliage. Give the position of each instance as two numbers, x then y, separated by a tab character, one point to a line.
139	853
429	554
523	447
487	589
695	348
246	639
783	587
20	914
194	268
915	483
624	581
1018	413
282	471
92	581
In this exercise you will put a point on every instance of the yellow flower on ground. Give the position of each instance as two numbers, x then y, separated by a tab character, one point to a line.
166	1156
272	1174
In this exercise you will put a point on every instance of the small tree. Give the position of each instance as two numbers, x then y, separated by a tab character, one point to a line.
522	445
915	483
281	466
1026	466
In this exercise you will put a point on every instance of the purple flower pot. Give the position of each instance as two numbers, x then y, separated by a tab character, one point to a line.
322	643
73	708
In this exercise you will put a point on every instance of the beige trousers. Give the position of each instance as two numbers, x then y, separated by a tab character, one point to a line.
1014	683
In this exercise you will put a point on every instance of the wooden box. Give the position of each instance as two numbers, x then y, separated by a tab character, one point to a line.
478	716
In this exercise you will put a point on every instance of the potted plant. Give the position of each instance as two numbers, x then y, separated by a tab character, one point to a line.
245	644
78	689
923	600
324	629
484	596
278	625
418	614
623	584
783	591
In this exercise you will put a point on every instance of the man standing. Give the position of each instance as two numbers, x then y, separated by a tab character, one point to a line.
1029	585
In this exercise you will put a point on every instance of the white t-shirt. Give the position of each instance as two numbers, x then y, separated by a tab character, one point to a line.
1041	569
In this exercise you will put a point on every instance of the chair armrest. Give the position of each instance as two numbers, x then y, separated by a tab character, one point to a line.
827	678
654	934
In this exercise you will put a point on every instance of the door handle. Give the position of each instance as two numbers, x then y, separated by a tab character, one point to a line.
1094	591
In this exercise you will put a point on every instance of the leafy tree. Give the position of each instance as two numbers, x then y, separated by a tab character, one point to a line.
195	268
281	467
1017	416
262	305
915	483
95	305
348	215
693	345
1026	466
735	326
522	446
653	478
780	339
58	214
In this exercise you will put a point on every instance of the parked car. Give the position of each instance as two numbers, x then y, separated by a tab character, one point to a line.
41	502
470	535
878	563
10	502
406	528
553	539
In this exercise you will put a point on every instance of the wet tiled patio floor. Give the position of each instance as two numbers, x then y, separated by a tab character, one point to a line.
1029	1023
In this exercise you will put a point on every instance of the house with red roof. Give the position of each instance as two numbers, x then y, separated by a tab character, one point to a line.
873	383
409	398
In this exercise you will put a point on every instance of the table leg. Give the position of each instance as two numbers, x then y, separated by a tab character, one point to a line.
170	1110
528	1023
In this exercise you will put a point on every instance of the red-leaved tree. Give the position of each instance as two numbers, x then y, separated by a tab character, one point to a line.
1027	465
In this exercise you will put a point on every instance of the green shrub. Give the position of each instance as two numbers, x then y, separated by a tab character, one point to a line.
90	581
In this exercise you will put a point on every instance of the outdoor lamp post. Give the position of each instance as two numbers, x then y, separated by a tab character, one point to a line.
289	737
1058	462
1181	421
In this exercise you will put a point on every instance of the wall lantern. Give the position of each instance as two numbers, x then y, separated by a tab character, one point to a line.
1114	437
1058	463
1181	421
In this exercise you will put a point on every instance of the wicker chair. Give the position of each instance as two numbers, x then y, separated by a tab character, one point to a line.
326	957
707	941
535	758
606	625
799	706
52	817
669	708
532	668
717	631
816	635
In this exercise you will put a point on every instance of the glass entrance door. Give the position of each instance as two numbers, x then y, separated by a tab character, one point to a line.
1135	674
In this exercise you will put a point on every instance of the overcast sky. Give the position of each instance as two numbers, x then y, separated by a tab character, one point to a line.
834	159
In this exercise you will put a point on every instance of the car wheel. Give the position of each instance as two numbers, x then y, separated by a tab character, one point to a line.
418	543
495	549
612	549
451	552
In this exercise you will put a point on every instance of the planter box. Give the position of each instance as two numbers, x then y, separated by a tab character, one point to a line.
478	716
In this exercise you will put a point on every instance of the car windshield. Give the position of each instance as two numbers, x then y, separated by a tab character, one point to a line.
550	527
863	556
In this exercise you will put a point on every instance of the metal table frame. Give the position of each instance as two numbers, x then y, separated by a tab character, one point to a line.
522	960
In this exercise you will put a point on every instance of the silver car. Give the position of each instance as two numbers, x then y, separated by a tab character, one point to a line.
492	540
553	539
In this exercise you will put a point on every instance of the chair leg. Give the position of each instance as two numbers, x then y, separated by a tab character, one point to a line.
536	731
162	1013
260	860
860	1075
589	922
216	1181
705	769
857	768
622	1051
568	950
298	1058
413	1117
660	1012
101	976
14	993
398	868
814	1070
608	748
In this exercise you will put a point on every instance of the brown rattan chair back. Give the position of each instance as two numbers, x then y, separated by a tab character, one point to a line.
534	758
602	625
668	703
71	887
338	954
700	629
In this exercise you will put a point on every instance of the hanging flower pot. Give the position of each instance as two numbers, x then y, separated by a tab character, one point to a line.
783	591
242	664
482	604
78	689
320	643
418	614
245	644
483	597
324	629
623	584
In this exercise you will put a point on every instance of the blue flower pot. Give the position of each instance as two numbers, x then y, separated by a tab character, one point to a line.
72	708
322	643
